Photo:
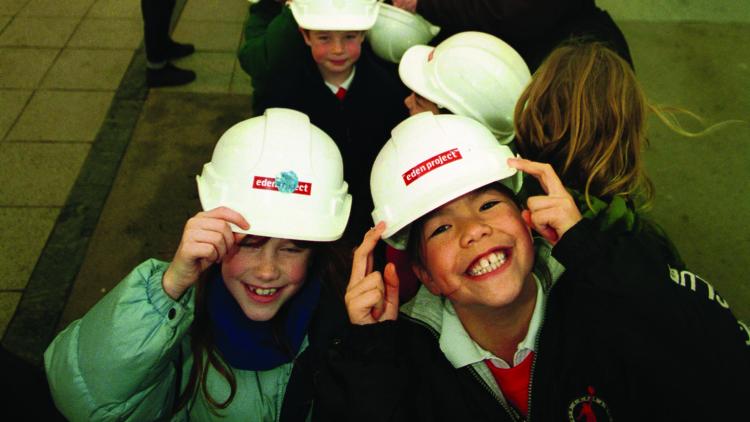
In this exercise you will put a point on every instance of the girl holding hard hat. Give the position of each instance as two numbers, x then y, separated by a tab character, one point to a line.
588	324
233	328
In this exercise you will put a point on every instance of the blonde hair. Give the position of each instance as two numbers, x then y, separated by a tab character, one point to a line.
585	113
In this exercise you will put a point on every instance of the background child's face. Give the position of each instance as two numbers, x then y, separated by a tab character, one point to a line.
417	104
477	250
265	273
334	51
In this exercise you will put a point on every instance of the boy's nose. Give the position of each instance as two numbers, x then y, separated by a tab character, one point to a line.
473	231
410	102
338	45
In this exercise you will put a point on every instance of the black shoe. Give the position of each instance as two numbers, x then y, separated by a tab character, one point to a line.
178	50
169	75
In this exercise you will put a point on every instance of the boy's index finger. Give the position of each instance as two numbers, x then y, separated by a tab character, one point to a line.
542	172
362	262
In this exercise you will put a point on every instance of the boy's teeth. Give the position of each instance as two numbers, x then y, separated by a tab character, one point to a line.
489	263
264	292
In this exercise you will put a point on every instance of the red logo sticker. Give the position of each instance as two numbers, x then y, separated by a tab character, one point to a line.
269	183
431	164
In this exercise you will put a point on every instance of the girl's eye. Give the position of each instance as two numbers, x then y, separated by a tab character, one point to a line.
487	205
291	250
440	229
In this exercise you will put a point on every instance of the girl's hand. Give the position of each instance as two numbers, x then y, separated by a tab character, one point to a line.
370	298
206	240
408	5
553	214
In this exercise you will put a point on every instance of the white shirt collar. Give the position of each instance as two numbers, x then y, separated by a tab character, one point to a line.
345	85
461	350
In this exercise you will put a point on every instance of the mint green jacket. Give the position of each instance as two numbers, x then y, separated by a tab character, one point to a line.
120	361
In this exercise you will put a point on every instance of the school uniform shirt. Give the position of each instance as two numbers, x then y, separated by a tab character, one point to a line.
129	357
623	337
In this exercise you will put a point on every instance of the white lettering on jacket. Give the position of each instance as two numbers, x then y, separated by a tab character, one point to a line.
687	279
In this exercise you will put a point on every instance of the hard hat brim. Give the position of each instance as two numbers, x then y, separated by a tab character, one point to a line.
294	221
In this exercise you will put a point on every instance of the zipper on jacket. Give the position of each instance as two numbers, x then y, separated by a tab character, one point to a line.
513	414
536	348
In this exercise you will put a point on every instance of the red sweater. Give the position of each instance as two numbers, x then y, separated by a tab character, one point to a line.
514	382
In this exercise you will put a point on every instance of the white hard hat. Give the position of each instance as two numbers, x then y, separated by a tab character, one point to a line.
396	30
429	161
335	15
472	74
283	174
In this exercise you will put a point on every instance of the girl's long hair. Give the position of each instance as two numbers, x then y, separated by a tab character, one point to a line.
585	113
329	261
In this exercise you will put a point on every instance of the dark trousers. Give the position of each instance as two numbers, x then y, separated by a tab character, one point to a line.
157	16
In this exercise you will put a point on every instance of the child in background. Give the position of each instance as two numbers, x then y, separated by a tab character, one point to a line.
599	330
471	74
233	328
310	57
584	112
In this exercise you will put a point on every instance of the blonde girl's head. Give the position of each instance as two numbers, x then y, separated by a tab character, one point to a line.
585	114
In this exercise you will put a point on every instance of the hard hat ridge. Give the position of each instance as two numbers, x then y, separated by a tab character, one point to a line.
396	30
335	15
283	174
472	74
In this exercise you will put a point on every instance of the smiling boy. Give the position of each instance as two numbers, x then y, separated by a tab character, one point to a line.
587	324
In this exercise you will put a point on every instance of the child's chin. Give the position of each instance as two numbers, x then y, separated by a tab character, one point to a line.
261	316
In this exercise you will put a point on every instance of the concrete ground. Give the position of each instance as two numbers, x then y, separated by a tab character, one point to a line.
97	173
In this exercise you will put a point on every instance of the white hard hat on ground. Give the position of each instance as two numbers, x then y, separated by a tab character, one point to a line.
472	74
283	174
335	15
429	161
396	30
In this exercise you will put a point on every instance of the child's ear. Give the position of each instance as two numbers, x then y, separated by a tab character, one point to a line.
305	35
425	278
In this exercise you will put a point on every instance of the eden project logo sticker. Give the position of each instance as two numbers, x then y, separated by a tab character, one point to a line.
285	182
431	164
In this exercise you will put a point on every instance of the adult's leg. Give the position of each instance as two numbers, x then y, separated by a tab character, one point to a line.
157	16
